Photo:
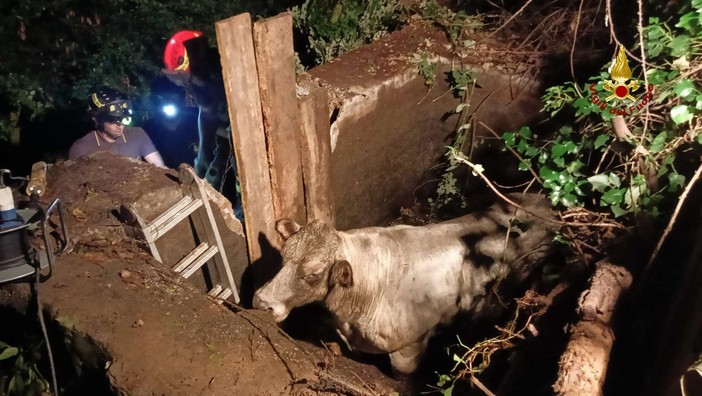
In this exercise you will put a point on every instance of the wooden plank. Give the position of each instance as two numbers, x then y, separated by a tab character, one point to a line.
244	102
275	59
315	149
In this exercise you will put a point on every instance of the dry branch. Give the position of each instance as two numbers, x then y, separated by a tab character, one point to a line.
583	365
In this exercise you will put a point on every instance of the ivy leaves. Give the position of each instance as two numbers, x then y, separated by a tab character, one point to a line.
634	172
556	162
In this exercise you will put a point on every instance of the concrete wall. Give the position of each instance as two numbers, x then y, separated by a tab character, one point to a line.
390	129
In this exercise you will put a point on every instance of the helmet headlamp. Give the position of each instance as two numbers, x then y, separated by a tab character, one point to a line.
170	110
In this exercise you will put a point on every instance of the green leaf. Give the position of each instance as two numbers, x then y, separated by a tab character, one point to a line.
680	114
444	379
606	115
684	88
569	200
9	352
571	147
655	76
614	180
508	137
658	143
601	141
613	196
574	167
599	182
675	180
525	132
523	166
565	130
655	32
618	211
543	157
67	321
584	106
522	146
680	45
548	174
531	151
557	150
662	170
19	383
689	21
632	195
559	238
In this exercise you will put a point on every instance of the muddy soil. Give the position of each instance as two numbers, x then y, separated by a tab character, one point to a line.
146	329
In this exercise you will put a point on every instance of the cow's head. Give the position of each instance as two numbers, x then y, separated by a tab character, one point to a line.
310	268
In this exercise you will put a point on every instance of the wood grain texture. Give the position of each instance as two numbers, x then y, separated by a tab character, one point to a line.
236	48
316	156
275	59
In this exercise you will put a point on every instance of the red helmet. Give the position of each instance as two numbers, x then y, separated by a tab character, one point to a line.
175	56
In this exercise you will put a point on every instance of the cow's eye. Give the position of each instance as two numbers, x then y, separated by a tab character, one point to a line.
312	278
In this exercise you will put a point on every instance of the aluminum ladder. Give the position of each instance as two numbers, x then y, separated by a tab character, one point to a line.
195	206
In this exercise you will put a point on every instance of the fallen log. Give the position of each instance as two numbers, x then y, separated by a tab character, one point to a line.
583	365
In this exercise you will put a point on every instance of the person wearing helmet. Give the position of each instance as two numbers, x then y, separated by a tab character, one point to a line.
112	113
192	64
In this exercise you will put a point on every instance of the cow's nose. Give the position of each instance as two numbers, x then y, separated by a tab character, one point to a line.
258	303
278	310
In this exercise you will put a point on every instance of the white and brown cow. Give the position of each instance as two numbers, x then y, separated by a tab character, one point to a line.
388	288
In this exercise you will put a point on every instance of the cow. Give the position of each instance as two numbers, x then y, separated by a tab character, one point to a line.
389	288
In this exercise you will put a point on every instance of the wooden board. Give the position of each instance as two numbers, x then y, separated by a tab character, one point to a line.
236	50
275	59
315	150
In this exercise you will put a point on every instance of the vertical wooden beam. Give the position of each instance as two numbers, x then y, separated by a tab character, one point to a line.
236	50
275	59
315	149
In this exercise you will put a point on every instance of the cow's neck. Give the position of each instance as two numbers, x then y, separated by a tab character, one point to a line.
351	303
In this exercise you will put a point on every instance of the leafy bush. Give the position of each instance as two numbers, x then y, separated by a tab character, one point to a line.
634	171
59	50
615	160
336	27
19	374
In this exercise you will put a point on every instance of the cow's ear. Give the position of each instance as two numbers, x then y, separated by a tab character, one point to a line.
287	228
341	274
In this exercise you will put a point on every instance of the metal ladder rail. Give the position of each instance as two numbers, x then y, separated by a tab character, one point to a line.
196	206
205	225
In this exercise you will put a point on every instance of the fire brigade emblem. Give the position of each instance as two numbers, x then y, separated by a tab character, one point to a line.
621	73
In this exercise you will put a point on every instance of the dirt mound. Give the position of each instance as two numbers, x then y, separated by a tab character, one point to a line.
120	315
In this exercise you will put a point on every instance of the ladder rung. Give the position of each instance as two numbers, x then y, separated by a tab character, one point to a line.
199	261
170	212
180	211
187	260
215	291
225	294
219	293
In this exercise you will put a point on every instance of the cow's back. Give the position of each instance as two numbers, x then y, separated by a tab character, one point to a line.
418	277
415	277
